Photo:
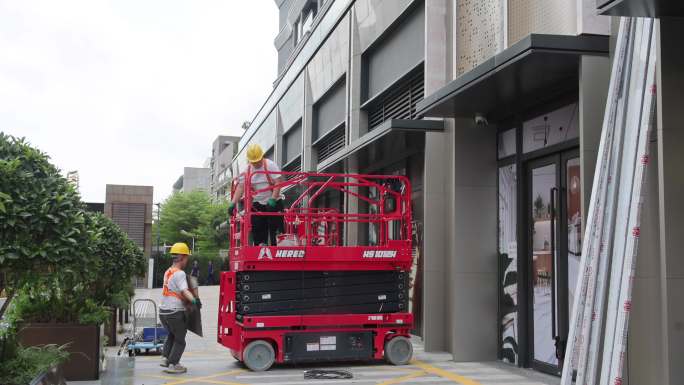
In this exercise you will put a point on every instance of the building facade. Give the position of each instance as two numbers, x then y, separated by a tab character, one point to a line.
194	178
223	150
493	109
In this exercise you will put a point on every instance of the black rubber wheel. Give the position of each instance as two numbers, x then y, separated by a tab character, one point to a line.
398	351
258	356
130	353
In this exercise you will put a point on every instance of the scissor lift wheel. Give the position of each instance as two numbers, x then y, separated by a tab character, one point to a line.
258	355
398	351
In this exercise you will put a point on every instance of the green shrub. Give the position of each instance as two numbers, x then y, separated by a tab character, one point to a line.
117	261
47	301
42	220
29	362
65	264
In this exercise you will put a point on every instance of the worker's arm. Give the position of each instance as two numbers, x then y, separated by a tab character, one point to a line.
276	189
239	190
188	295
236	198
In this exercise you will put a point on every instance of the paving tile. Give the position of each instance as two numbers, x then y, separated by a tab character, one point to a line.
210	363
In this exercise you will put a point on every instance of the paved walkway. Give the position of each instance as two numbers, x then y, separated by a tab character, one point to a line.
210	363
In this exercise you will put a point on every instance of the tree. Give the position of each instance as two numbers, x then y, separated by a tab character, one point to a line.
183	211
212	236
194	213
42	219
65	263
539	208
119	259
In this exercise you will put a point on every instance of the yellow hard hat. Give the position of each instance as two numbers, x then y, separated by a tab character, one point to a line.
180	248
254	153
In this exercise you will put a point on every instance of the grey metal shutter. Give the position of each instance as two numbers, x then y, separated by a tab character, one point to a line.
395	54
329	110
292	141
131	218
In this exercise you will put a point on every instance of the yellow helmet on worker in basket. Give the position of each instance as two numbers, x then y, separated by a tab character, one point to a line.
254	153
180	248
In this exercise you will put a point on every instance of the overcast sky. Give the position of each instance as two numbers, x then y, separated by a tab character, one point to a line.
131	91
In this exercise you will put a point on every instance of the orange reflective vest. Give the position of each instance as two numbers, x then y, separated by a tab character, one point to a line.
165	290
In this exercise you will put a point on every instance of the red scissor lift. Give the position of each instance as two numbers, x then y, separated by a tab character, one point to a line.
322	320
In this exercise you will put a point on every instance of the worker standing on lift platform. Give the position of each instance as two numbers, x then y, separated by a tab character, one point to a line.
267	197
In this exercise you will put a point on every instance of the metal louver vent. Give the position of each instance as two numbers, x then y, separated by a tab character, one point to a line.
293	166
331	143
399	102
131	218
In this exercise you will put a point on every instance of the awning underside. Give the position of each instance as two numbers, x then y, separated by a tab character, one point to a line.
533	69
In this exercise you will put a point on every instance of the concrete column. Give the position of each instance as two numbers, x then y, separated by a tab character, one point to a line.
594	76
278	144
358	120
671	195
308	154
438	184
472	268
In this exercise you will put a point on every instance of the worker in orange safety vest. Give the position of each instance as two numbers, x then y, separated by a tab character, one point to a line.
172	313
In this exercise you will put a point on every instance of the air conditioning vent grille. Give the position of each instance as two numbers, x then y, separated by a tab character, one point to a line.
331	143
399	102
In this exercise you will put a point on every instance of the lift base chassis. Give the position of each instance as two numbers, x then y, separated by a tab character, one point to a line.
309	338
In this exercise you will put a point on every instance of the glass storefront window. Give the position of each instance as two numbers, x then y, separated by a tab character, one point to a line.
574	225
508	256
552	128
506	143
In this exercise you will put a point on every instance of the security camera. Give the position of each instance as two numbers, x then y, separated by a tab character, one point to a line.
480	120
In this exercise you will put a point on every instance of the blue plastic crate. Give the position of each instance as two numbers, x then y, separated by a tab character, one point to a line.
148	334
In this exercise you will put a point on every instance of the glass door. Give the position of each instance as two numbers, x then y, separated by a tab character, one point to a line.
554	236
543	193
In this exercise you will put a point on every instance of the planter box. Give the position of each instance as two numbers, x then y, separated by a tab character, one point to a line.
84	346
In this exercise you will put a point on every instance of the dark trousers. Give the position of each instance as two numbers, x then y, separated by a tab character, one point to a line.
267	226
175	341
210	278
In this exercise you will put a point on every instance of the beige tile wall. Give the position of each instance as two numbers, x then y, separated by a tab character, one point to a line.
541	16
479	36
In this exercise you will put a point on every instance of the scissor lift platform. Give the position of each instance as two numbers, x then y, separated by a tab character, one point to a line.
315	297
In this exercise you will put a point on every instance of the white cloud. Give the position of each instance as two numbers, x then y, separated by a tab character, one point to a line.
131	91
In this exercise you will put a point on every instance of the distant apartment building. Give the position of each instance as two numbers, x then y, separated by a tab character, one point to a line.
223	150
193	178
130	207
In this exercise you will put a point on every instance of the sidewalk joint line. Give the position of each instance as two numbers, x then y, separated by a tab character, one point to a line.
398	380
444	373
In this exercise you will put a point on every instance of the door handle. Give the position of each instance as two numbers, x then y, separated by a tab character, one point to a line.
553	192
